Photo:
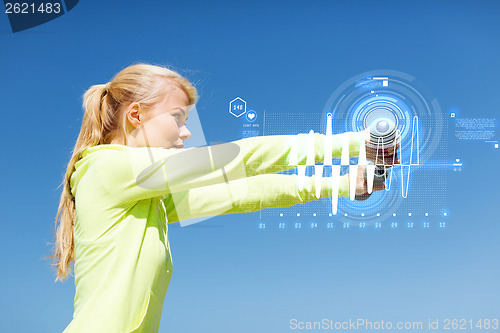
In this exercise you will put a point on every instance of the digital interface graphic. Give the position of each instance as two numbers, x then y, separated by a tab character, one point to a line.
415	187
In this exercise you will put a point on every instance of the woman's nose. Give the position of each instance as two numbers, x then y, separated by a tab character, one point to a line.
185	133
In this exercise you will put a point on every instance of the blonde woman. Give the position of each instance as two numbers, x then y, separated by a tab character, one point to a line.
129	176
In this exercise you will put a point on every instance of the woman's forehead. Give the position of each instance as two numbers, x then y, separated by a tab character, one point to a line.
175	96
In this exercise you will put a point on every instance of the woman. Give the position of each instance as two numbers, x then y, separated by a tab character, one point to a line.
129	174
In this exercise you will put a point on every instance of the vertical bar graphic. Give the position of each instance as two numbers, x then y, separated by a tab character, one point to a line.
370	175
405	179
310	149
335	187
415	149
318	177
353	175
328	141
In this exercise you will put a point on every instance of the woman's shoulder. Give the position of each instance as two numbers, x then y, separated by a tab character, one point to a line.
103	148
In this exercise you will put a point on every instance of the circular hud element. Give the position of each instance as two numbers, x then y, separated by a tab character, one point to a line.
395	98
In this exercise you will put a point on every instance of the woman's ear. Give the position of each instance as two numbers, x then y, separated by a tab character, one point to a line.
133	114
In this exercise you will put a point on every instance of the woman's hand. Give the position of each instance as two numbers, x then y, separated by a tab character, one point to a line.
362	184
386	155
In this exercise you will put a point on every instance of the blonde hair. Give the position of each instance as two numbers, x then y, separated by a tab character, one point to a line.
143	83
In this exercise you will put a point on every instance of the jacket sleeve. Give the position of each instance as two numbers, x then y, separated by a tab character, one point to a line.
247	195
139	173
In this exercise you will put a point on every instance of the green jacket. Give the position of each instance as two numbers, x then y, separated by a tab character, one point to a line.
124	197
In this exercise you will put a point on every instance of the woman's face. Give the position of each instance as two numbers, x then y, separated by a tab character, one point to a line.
163	125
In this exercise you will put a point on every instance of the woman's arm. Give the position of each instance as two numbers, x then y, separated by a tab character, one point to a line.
247	195
270	154
134	174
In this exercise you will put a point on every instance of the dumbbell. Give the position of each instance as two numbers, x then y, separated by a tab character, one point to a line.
382	135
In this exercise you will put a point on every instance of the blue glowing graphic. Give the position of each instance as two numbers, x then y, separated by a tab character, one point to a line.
251	116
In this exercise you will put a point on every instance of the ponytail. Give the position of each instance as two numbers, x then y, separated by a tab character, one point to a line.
90	135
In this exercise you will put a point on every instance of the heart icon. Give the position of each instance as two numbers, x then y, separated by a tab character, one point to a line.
458	160
251	115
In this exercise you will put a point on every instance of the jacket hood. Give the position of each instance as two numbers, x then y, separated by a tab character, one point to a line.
89	156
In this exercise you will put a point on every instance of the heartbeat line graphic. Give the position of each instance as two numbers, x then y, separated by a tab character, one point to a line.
387	170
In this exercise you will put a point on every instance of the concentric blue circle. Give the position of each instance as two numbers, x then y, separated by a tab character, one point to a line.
385	94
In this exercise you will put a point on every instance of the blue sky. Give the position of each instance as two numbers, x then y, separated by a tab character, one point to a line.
286	56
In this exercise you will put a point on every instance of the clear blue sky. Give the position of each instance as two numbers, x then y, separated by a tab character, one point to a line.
286	56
